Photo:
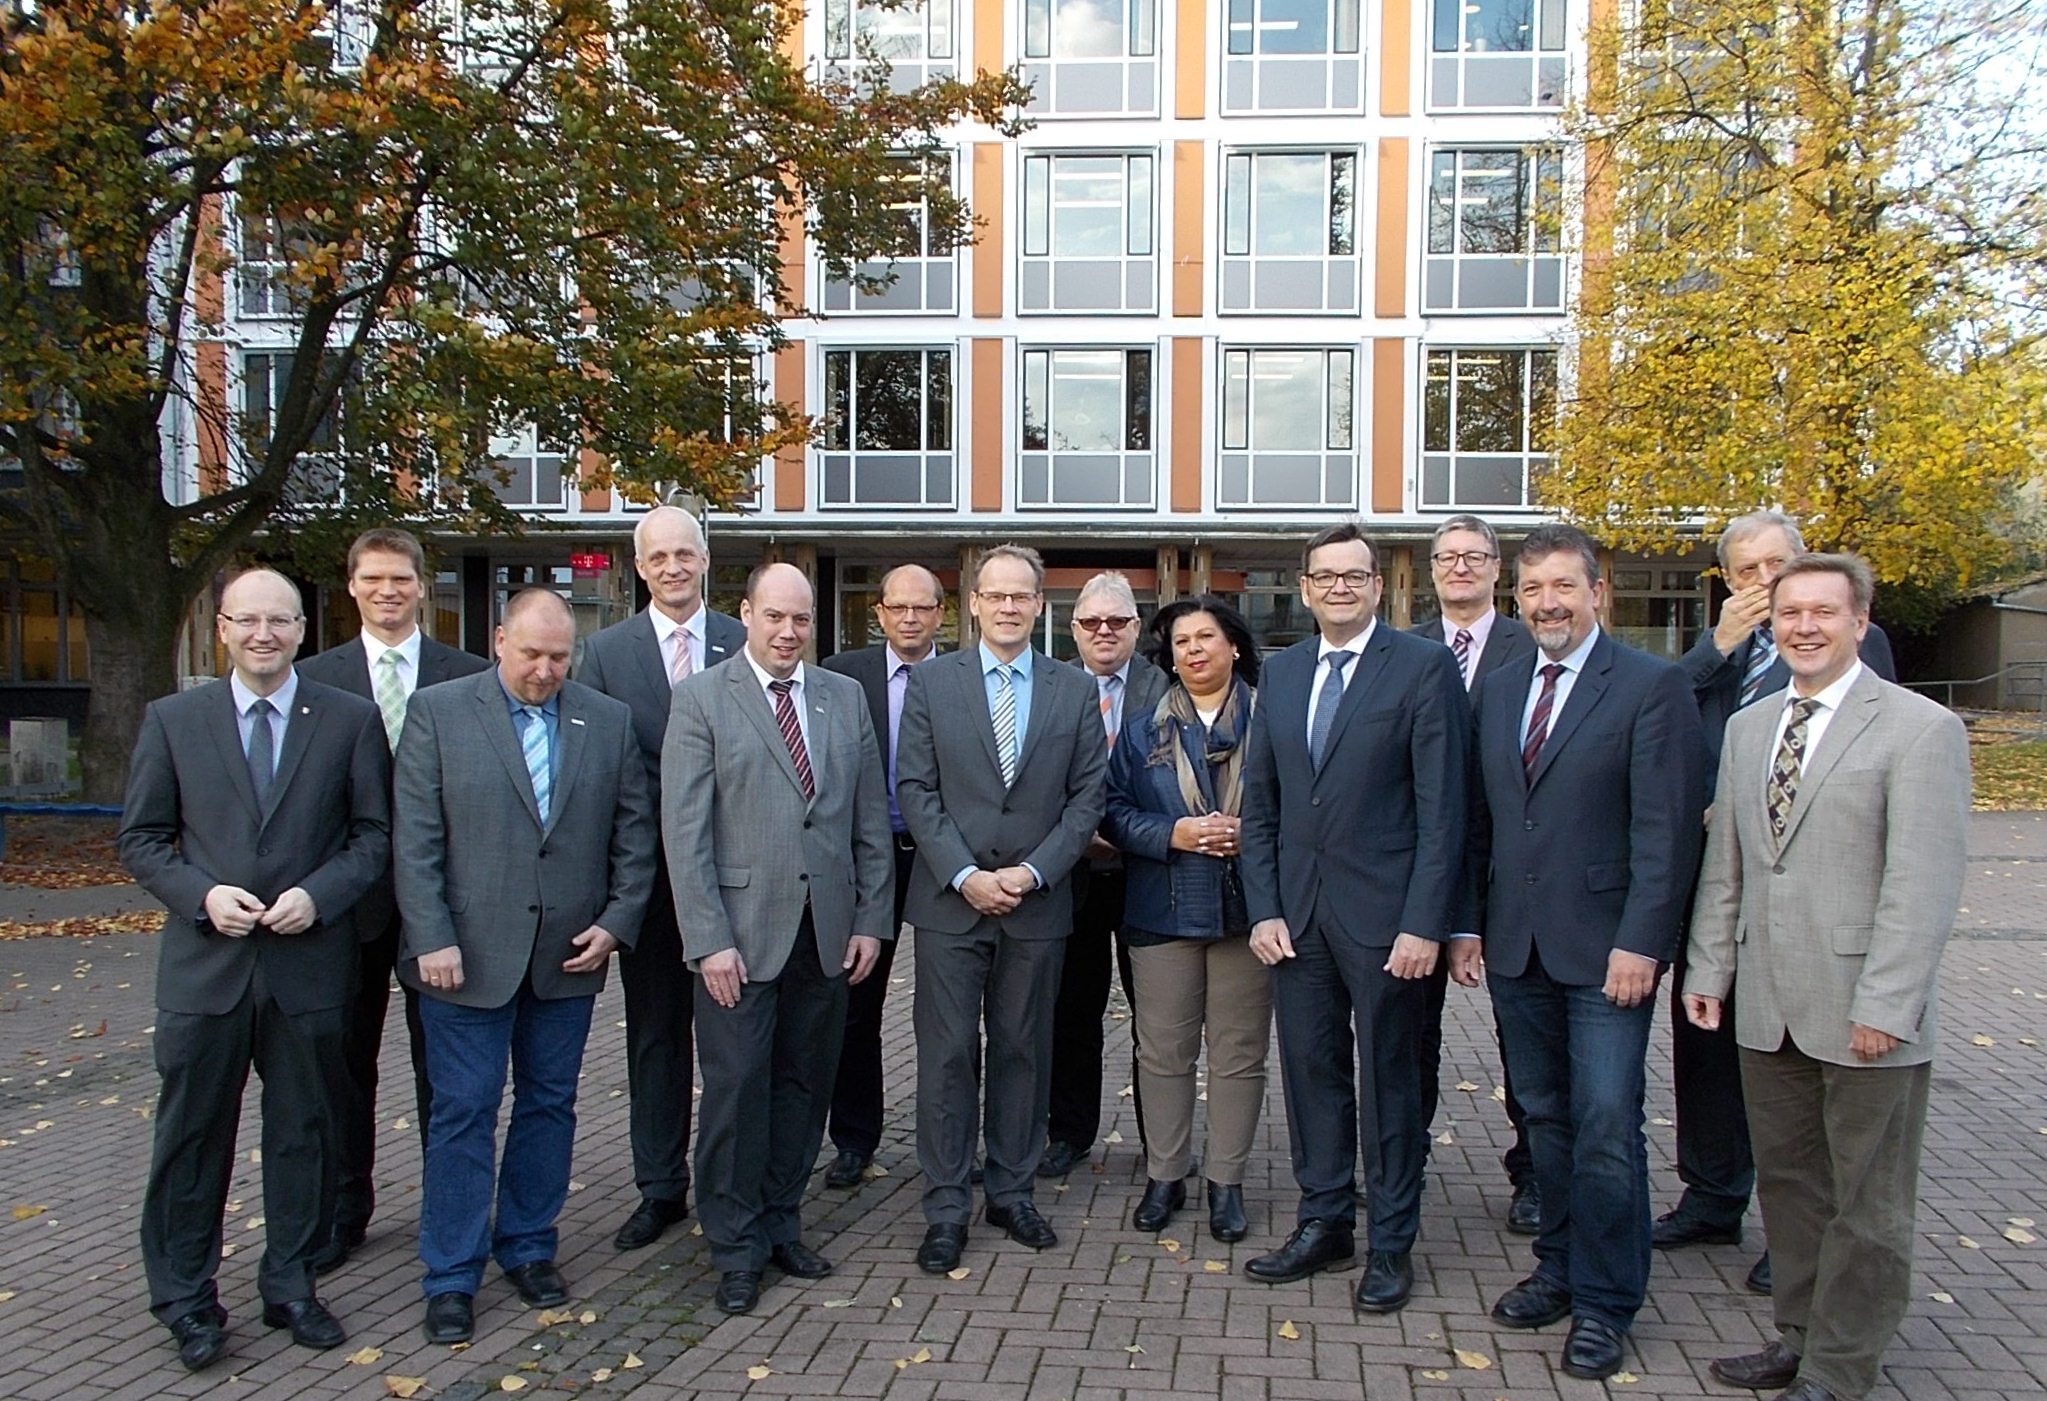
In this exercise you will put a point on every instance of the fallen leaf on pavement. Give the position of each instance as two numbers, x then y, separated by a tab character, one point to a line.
2018	1220
1941	1296
1966	1243
1215	1267
758	1372
1435	1375
24	1213
838	1303
1170	1246
511	1383
602	1374
1289	1332
550	1317
587	1316
364	1357
404	1386
1468	1086
1979	1039
961	1273
1477	1361
632	1360
2019	1235
1625	1378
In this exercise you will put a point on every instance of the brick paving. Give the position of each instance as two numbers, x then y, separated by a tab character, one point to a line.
1110	1313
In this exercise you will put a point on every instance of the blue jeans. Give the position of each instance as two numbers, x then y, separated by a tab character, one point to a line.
466	1052
1577	1063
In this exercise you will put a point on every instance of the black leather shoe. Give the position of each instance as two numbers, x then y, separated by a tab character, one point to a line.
1524	1212
1060	1158
1160	1201
1775	1366
1226	1213
450	1318
738	1291
1676	1229
1758	1280
941	1249
847	1170
974	1173
310	1323
1387	1282
799	1261
339	1245
1314	1245
201	1336
1807	1391
1024	1225
539	1283
1533	1303
649	1219
1593	1350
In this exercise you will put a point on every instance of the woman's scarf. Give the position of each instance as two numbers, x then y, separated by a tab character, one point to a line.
1218	785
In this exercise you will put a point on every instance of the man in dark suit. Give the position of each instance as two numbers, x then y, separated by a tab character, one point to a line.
911	607
1105	629
384	663
1464	563
1585	841
999	774
1356	786
1730	668
257	811
775	818
525	845
640	661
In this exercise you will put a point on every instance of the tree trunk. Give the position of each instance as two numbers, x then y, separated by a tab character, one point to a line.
134	660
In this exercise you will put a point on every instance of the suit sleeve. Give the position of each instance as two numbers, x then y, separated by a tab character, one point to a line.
419	826
591	672
1704	665
1716	912
1126	821
1666	800
939	844
689	758
874	862
148	839
342	879
1926	822
1439	750
1259	866
1470	917
635	844
1876	654
1054	856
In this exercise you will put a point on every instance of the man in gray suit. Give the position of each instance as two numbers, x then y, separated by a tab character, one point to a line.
1832	875
774	816
257	812
525	849
640	661
999	773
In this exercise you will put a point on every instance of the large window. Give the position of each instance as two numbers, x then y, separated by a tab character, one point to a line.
1287	435
1290	240
528	474
914	37
1292	55
42	632
1088	243
888	430
1090	57
266	384
923	268
1494	231
1497	54
1086	428
262	268
1486	420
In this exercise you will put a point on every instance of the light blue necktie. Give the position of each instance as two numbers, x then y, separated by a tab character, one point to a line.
534	745
1325	706
1005	725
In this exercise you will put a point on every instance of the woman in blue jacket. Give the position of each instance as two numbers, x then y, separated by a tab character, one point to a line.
1174	788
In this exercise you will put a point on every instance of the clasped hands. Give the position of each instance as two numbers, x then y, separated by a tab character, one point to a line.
998	892
1210	835
236	913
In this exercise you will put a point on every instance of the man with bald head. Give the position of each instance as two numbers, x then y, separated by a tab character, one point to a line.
774	814
639	661
525	850
257	811
911	610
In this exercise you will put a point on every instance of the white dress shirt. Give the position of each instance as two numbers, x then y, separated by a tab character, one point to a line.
281	709
1827	702
1573	663
795	698
408	660
691	633
1480	631
1356	647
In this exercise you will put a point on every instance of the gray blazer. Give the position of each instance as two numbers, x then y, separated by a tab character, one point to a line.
475	868
746	850
624	660
1845	921
949	788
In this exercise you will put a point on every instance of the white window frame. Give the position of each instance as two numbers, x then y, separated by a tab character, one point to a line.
1443	463
1242	460
522	448
1039	264
1535	265
1043	464
262	269
1256	79
1459	59
927	282
1246	276
934	24
263	373
936	454
1071	85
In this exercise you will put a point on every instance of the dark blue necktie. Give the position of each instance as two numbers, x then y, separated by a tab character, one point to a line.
1325	706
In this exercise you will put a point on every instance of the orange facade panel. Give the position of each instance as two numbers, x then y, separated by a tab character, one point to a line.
1190	73
211	415
985	444
1389	296
790	462
589	464
1188	417
1396	57
1188	209
986	201
989	27
1389	424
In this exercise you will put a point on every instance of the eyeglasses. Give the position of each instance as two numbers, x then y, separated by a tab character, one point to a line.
1115	622
1327	579
998	599
899	610
1470	559
276	622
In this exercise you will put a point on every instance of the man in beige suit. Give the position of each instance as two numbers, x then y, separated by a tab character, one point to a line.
1833	871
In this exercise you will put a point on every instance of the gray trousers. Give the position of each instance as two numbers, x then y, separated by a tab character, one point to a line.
1837	1177
1188	989
1013	984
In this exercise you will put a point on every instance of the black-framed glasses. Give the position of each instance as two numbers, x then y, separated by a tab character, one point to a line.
1327	579
1114	622
899	610
1470	559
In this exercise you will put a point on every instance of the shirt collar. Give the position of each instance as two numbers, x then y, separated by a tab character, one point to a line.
1574	660
408	650
1480	629
1829	699
282	697
1356	646
767	678
1022	664
551	707
665	626
896	661
1121	673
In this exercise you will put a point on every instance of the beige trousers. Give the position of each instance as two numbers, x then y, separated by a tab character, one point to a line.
1185	988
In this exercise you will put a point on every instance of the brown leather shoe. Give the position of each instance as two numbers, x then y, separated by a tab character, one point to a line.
1775	1366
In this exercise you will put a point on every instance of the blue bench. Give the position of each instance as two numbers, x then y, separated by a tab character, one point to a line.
49	810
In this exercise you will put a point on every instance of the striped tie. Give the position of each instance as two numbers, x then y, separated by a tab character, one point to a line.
1762	651
1108	685
679	672
1786	768
390	697
792	735
1538	723
1005	724
534	746
1461	645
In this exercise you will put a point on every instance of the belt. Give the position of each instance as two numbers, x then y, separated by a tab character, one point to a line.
905	842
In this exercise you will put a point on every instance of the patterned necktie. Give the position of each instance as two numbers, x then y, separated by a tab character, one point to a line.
682	666
1326	704
1786	768
1762	651
534	746
1538	723
1109	685
390	697
792	735
1461	645
262	748
1004	717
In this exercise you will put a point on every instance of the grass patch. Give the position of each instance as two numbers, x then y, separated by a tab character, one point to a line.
2010	776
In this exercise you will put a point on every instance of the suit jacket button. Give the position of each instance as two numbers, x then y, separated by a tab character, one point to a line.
1531	878
533	909
262	851
1776	870
1314	802
1528	826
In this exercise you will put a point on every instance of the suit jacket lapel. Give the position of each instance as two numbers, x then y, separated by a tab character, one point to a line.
225	727
497	724
1043	685
298	734
1364	671
754	704
645	646
974	702
573	735
1586	692
1858	710
819	741
874	670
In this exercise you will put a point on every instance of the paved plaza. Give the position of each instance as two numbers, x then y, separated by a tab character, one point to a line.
1111	1312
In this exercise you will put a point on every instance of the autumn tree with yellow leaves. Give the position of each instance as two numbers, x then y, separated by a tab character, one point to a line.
472	215
1815	245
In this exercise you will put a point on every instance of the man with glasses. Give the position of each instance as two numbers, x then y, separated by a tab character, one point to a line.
910	610
999	775
1105	628
258	812
1464	563
1355	796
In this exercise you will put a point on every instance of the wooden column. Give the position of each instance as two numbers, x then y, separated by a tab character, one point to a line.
1203	573
1169	574
1400	585
970	564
